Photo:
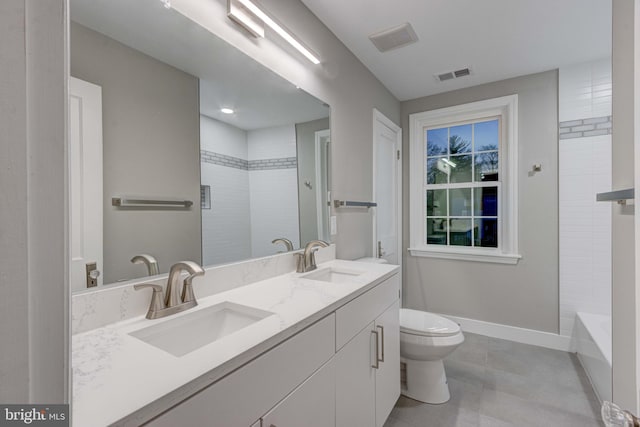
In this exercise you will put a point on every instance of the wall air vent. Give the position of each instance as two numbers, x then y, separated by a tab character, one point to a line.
450	75
394	38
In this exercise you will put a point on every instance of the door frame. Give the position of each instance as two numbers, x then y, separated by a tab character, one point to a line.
321	208
378	117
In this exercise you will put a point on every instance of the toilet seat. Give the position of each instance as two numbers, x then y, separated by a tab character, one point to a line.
426	324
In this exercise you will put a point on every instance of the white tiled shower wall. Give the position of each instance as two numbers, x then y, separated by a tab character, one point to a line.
254	193
585	169
273	189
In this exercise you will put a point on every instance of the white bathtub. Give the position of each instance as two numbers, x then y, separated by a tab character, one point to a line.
592	341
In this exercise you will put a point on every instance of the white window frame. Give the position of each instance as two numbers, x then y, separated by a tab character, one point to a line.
507	108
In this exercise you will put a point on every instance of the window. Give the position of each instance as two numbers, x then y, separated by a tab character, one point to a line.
464	181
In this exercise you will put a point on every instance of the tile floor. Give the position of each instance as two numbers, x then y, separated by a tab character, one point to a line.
498	383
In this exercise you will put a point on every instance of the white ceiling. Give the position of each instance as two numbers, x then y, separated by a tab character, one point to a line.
498	39
228	77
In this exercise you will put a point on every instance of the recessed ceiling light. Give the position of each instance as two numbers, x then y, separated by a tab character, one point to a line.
227	110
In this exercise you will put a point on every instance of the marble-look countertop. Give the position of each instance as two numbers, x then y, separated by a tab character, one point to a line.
121	380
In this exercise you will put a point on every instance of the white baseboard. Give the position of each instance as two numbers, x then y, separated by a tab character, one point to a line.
513	333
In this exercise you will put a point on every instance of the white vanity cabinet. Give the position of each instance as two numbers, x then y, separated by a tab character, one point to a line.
242	397
368	365
320	377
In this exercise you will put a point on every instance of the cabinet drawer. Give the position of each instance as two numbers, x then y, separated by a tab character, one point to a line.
245	395
312	404
355	315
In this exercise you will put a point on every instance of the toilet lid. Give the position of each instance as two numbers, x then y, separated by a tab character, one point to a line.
426	324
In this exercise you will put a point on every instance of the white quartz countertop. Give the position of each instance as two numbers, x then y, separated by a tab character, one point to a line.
121	380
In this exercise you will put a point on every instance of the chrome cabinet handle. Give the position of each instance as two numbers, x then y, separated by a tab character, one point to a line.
382	336
376	364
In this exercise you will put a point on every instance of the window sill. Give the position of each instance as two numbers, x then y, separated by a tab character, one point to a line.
466	255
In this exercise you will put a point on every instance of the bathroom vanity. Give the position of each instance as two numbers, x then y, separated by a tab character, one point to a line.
313	349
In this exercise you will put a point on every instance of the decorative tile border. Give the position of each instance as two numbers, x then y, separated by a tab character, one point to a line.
223	160
238	163
586	127
267	164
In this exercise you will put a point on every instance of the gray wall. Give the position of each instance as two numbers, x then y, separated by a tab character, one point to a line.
526	294
151	128
306	145
624	291
342	81
34	293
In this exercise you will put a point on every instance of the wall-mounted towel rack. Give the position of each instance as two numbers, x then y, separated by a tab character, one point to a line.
620	196
142	202
347	204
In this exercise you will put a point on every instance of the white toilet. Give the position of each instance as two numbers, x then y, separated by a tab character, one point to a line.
425	340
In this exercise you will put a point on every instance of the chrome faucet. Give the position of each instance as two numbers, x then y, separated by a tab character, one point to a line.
148	260
173	302
306	261
286	242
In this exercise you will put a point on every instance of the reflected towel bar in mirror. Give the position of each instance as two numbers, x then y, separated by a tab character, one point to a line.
140	202
347	203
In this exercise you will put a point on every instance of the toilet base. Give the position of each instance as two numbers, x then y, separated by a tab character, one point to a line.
426	381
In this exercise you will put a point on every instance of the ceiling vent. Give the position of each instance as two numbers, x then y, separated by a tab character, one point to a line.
450	75
394	38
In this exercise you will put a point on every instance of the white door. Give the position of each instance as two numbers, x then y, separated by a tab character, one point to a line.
323	139
387	189
85	181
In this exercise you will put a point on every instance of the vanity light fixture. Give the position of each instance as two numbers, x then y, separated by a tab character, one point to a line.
227	110
238	13
262	16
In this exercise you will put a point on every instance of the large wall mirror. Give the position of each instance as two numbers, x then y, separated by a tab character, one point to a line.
183	148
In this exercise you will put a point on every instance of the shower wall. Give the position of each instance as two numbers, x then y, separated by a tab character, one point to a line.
584	170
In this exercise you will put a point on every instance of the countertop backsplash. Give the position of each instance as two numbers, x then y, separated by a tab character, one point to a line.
93	309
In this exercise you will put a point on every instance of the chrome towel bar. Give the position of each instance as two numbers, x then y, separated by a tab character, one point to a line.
141	202
620	196
347	203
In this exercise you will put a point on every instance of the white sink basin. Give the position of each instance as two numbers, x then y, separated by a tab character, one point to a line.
191	331
334	275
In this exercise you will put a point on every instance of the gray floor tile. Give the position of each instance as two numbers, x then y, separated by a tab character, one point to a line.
571	399
394	422
515	410
417	414
499	383
473	350
487	421
464	371
461	410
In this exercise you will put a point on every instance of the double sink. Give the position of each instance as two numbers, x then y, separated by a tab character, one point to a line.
183	333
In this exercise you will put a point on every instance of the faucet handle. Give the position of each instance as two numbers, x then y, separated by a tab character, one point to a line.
300	267
187	289
311	264
157	302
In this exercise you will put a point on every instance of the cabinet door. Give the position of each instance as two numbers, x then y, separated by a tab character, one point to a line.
312	404
388	375
355	381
